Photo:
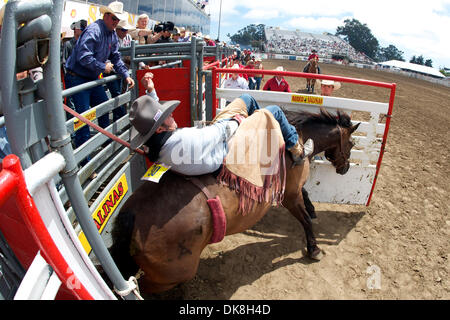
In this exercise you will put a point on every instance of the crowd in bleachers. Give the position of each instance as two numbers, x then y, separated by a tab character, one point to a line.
302	43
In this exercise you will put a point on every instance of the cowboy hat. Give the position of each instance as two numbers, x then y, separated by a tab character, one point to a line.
147	115
123	24
335	84
279	68
115	8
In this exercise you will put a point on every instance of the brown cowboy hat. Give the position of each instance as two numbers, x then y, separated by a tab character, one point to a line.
147	115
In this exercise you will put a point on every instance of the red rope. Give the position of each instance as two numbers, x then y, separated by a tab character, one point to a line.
96	127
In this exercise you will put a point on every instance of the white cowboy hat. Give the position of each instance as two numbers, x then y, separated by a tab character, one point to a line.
123	24
279	68
115	8
335	84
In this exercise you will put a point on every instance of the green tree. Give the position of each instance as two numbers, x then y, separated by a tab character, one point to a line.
390	53
413	60
250	35
359	36
420	60
429	63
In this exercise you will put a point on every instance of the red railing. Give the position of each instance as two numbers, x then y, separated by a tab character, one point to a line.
13	186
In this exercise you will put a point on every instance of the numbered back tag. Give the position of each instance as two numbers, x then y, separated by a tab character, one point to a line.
155	172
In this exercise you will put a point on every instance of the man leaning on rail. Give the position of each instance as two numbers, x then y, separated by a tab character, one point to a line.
96	52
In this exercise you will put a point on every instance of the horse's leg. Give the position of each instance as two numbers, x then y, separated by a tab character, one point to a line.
295	203
298	210
308	204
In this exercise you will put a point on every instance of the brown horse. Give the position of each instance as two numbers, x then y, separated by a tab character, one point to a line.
163	228
312	68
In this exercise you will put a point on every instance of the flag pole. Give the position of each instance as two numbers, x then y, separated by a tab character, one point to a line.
220	16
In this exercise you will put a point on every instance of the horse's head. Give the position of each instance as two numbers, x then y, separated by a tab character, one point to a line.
339	154
330	133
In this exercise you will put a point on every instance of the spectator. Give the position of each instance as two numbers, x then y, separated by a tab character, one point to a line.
168	29
237	62
238	52
77	27
328	86
235	81
122	30
258	77
277	83
208	41
147	83
251	79
184	36
176	35
96	52
142	34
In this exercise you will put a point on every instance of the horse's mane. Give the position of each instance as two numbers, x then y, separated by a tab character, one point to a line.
303	118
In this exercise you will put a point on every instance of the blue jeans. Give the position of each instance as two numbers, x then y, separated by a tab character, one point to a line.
115	88
258	82
289	132
251	84
83	101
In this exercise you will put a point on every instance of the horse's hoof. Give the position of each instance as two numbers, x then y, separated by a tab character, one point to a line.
316	255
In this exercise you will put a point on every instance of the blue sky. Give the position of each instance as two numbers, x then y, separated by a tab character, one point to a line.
414	27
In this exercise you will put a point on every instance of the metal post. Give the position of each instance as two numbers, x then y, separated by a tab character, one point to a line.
208	95
200	83
192	80
60	140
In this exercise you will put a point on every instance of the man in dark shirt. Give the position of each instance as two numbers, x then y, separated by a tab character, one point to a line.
96	52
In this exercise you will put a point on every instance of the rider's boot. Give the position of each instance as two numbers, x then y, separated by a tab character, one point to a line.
299	152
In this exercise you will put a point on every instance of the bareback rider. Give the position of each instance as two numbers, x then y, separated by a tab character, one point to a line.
197	151
312	56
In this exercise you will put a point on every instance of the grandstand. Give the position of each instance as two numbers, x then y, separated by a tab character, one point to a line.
301	43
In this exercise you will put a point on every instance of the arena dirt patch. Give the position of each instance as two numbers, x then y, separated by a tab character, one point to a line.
403	236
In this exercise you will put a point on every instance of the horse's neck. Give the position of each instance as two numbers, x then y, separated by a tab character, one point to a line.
324	136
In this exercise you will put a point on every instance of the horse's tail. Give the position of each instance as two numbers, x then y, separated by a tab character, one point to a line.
120	250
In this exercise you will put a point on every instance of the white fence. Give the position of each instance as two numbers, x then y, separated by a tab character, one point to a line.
324	184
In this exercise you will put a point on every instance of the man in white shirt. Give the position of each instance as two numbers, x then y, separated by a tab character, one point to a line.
236	81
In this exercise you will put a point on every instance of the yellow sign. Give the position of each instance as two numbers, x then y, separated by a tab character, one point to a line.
155	172
91	115
106	208
307	99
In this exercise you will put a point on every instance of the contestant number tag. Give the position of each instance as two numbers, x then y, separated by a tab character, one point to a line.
155	172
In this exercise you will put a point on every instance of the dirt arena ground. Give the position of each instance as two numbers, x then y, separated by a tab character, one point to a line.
403	235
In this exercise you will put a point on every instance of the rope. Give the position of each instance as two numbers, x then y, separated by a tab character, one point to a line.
96	127
132	288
